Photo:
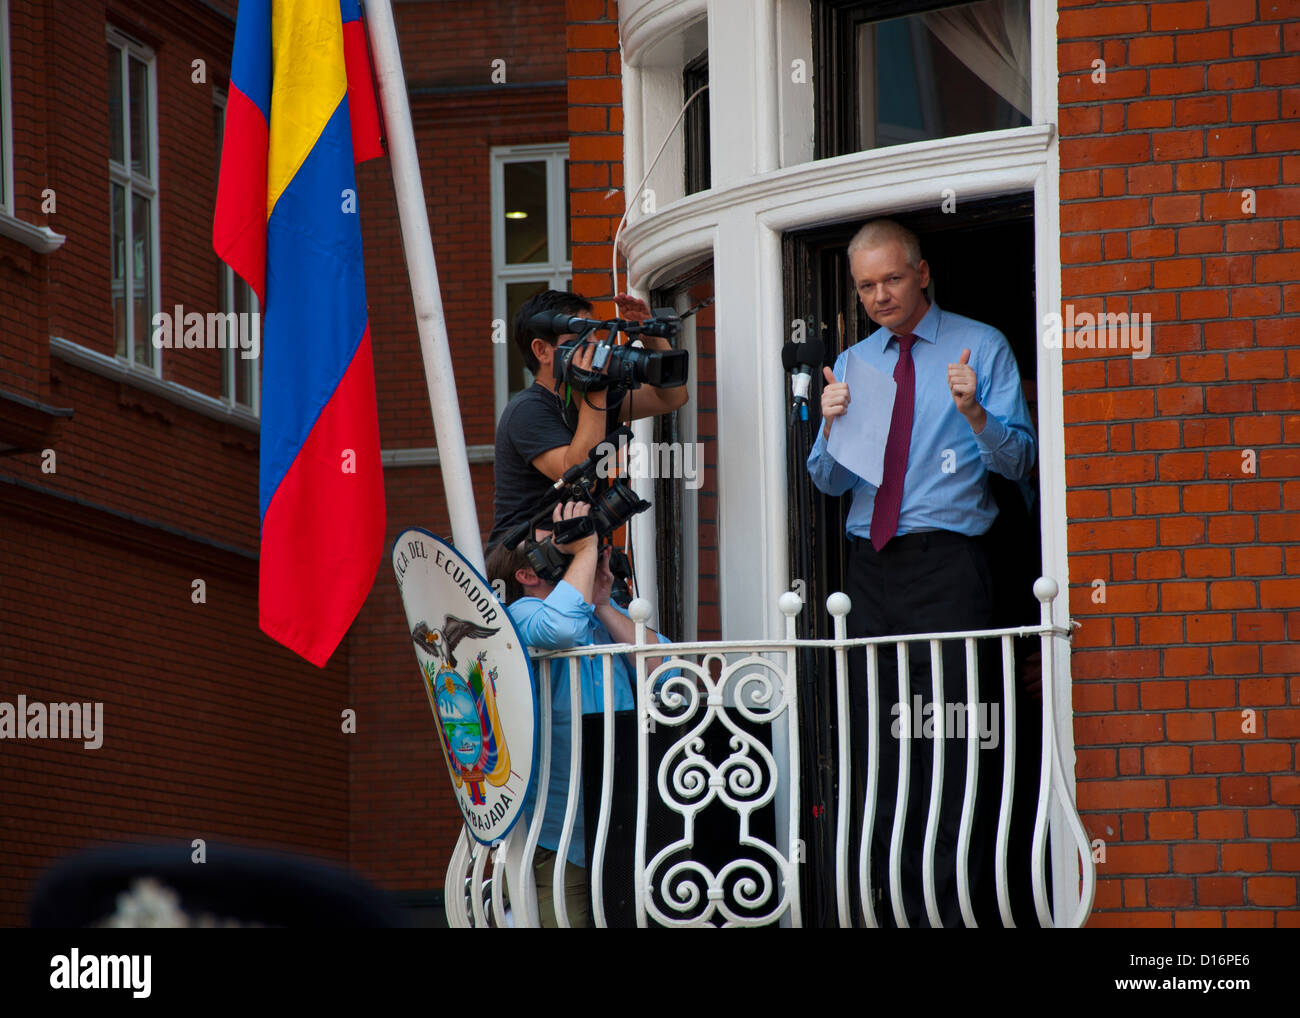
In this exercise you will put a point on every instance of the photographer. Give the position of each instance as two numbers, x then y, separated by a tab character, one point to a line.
548	428
575	612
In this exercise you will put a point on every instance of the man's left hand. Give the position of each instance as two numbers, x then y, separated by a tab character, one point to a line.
961	383
604	582
634	309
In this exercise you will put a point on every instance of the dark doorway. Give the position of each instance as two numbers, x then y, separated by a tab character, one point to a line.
981	259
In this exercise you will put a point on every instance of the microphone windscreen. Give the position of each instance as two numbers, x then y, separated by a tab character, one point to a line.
812	353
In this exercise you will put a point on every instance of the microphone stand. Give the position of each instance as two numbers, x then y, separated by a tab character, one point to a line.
816	705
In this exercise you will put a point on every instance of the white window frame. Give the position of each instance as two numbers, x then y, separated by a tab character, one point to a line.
230	284
558	270
6	116
147	186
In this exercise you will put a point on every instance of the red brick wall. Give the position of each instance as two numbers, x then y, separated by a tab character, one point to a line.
1200	560
595	104
211	730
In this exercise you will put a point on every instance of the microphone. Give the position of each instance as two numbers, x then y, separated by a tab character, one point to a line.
804	360
553	323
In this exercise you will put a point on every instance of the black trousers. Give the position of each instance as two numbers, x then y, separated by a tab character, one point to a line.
921	583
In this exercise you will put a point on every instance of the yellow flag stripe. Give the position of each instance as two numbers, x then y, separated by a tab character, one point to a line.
309	80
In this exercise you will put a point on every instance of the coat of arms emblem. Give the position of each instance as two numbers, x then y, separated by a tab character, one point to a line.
477	677
465	706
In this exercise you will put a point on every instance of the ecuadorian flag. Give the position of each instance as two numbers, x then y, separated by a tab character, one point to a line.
301	110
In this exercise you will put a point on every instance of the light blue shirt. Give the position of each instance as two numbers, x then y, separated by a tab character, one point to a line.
946	484
565	621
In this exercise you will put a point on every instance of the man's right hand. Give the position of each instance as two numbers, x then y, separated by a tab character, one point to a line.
835	400
591	401
581	574
570	511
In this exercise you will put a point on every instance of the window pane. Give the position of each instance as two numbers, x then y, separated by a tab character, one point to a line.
695	75
243	380
142	278
949	72
115	141
117	230
139	117
525	212
518	377
223	305
245	304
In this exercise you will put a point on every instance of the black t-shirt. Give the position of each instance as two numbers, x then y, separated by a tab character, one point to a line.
534	422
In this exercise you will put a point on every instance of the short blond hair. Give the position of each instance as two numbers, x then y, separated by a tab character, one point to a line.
878	232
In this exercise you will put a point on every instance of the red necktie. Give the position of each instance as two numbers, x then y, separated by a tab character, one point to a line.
889	496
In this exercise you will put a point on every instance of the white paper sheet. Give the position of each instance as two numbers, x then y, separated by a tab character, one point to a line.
858	437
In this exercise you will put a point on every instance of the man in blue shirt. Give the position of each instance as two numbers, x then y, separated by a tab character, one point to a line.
915	562
576	612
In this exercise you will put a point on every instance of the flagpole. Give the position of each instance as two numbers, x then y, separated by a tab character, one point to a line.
423	270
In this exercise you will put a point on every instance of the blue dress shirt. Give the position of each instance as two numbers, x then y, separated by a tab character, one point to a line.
946	484
565	621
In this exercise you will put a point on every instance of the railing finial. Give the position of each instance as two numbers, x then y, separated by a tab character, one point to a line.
640	610
1045	589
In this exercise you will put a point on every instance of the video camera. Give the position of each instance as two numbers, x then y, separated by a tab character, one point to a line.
615	366
612	505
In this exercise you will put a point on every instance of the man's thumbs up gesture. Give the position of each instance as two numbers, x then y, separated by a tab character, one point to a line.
835	400
961	383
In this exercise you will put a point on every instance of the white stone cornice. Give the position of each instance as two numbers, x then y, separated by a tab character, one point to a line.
642	23
831	189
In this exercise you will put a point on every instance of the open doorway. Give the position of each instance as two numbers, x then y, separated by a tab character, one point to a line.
982	266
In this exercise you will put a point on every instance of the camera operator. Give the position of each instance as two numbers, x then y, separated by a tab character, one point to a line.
575	612
548	428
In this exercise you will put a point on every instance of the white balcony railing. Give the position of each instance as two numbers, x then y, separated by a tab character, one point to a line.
717	729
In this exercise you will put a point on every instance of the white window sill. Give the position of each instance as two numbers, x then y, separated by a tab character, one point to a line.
428	456
120	371
40	239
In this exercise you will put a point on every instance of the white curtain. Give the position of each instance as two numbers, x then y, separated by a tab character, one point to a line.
992	39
